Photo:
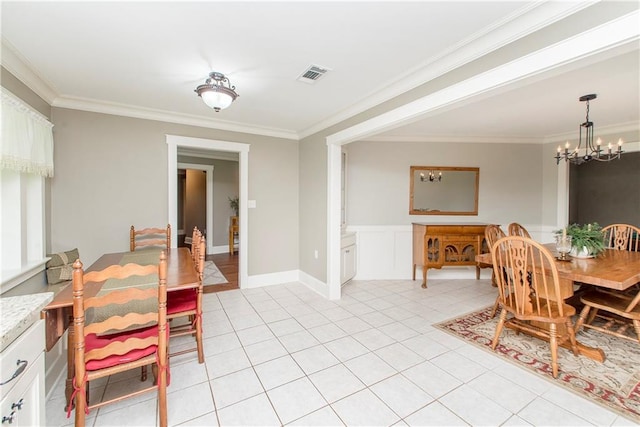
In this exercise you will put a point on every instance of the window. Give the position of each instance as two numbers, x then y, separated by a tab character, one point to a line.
26	158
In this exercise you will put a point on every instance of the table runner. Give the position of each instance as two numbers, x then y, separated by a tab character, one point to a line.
142	257
149	305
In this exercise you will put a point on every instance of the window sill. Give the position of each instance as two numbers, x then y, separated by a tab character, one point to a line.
9	279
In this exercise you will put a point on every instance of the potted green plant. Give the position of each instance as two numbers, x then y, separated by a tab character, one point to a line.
587	240
234	204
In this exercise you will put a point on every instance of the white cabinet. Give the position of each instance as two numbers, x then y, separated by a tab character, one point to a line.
348	259
22	376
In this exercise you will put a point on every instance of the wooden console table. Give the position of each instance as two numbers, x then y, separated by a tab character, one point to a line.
437	245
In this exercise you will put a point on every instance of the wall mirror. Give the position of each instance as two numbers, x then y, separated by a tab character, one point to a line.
438	190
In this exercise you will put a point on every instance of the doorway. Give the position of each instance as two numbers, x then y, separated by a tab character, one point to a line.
195	201
174	142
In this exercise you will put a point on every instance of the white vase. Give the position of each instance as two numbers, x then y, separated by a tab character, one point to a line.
582	253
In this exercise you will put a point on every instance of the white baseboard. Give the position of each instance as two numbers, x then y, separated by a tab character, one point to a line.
292	276
213	250
314	284
260	280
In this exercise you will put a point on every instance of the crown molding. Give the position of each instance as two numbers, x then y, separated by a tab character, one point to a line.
521	23
487	139
618	128
18	65
105	107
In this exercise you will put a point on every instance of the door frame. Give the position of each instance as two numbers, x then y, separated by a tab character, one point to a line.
175	141
209	202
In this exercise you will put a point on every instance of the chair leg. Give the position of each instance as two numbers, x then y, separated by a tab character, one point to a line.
154	371
143	374
80	402
499	326
582	318
592	316
572	337
553	342
162	397
496	305
636	326
199	339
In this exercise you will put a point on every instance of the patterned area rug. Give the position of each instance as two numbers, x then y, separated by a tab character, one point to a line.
212	275
614	384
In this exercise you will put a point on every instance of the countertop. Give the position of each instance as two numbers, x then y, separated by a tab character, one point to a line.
18	313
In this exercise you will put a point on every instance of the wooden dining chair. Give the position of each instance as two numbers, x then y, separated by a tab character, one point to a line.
196	235
516	229
612	313
149	237
607	310
624	237
186	305
530	292
492	233
122	327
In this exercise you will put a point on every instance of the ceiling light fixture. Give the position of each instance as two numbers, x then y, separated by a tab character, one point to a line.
591	151
217	91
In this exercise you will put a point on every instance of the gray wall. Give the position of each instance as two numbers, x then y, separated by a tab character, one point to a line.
378	183
111	172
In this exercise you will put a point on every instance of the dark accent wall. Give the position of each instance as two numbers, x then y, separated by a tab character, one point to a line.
606	192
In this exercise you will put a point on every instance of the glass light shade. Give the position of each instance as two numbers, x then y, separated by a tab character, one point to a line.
216	100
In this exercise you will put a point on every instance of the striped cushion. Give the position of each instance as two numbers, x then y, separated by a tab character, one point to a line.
179	301
59	274
60	266
93	342
63	258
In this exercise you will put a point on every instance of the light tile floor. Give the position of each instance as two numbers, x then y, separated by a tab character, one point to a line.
283	355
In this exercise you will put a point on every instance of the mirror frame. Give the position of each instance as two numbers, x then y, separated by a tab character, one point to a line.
414	169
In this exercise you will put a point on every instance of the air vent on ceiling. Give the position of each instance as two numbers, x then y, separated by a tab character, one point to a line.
312	74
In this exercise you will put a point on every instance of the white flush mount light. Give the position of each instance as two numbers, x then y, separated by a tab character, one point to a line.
217	92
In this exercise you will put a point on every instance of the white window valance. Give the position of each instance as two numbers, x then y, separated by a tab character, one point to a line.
26	143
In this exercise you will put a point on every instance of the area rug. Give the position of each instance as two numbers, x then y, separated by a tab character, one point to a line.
212	275
614	384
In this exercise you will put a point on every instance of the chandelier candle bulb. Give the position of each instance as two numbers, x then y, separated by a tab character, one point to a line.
592	149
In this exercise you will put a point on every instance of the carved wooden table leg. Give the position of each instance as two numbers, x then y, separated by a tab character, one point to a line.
68	391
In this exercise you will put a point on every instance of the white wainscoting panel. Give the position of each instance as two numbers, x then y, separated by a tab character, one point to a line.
385	253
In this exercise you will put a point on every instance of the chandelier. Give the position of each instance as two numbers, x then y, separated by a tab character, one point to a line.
431	177
591	151
217	91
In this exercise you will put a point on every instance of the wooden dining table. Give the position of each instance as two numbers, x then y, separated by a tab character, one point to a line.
58	314
611	269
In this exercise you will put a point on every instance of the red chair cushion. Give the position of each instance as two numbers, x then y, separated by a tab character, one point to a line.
179	301
93	342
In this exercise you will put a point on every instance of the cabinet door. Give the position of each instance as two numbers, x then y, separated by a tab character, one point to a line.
348	263
24	404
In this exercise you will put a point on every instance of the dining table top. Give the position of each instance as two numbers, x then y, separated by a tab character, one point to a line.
612	268
181	272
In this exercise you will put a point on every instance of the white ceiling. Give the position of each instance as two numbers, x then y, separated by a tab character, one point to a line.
146	58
